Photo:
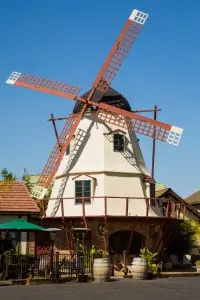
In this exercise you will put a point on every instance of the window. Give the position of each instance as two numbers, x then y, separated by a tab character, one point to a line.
82	189
68	150
118	143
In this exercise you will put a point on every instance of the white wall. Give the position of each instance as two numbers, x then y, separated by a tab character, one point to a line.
117	174
9	218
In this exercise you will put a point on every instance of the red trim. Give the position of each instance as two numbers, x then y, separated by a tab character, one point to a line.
170	203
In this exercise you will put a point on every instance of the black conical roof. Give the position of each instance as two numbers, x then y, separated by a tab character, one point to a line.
111	97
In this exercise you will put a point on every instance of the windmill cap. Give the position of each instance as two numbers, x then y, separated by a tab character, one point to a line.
111	97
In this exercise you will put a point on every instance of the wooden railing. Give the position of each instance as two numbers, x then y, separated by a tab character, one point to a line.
123	207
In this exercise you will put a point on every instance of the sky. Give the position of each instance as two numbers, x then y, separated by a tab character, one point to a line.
68	41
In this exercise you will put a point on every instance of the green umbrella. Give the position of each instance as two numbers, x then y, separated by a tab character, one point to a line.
21	225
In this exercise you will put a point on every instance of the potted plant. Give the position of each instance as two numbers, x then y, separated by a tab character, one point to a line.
150	258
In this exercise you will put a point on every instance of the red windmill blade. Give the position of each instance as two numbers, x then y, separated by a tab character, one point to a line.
146	126
120	50
111	114
43	85
57	154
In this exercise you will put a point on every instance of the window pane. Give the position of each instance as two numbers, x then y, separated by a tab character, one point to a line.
78	201
83	189
79	183
86	183
87	194
79	190
118	143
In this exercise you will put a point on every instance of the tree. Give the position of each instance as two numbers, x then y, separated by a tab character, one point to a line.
7	176
5	181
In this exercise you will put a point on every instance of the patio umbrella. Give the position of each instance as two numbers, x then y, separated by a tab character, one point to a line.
21	225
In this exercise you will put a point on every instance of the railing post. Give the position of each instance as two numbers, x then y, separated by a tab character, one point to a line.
105	206
43	208
83	211
167	210
184	211
127	200
62	208
173	209
147	206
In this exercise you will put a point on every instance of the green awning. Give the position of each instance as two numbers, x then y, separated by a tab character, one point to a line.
21	225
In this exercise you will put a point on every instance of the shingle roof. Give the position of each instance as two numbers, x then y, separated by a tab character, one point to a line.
167	191
194	198
16	198
159	193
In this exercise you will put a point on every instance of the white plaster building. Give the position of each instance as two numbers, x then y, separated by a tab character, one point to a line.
102	161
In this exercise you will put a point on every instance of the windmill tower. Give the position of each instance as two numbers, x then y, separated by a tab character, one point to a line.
96	166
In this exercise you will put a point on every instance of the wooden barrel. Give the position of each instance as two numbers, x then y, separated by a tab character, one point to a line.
101	269
139	268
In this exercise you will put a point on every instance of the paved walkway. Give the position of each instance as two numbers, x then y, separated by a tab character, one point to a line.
160	289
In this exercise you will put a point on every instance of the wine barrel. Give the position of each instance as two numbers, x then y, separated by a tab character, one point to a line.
139	268
101	269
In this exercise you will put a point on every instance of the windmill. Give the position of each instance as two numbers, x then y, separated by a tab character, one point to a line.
108	113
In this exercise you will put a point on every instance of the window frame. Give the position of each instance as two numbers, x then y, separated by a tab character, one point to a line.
116	144
82	187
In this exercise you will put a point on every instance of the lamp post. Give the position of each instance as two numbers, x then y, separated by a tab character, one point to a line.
52	235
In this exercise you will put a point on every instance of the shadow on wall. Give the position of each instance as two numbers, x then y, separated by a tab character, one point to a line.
129	155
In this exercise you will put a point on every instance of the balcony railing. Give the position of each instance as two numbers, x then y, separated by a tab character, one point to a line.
115	207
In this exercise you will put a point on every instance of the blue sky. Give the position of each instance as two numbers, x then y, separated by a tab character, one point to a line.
68	41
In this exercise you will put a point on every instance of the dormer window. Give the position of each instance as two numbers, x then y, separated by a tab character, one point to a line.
118	142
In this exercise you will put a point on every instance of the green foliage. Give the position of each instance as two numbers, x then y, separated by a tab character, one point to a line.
190	230
26	179
7	176
197	263
150	258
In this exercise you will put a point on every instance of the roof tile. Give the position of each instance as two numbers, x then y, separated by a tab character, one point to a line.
16	198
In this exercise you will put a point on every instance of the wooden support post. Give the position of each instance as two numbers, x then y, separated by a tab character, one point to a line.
83	211
62	208
173	209
55	130
147	206
167	210
126	213
43	208
105	206
106	236
130	239
184	211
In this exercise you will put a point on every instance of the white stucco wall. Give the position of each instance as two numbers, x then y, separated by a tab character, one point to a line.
117	174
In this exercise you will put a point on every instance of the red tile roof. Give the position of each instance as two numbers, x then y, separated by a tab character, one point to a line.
16	198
